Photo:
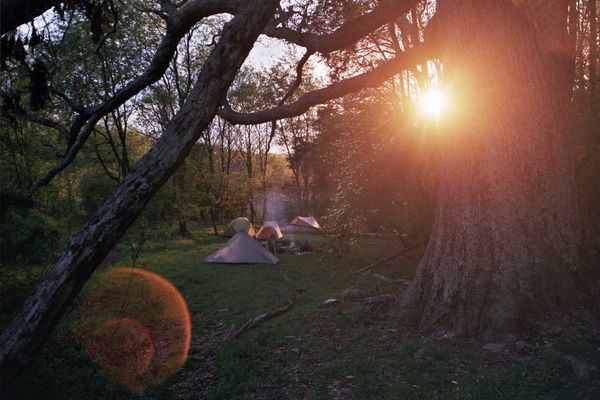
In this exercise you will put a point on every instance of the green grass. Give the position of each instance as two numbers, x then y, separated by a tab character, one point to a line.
313	351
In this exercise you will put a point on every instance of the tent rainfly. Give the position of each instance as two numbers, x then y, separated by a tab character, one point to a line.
270	228
242	249
310	222
240	224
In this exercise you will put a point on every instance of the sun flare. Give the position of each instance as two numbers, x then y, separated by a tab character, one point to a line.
433	103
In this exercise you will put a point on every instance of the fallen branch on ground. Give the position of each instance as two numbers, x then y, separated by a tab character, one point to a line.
251	323
381	298
371	266
405	282
263	317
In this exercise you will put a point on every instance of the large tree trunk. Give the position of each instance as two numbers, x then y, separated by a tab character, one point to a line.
506	229
23	339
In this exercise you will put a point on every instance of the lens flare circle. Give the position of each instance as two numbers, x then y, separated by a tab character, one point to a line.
136	326
121	341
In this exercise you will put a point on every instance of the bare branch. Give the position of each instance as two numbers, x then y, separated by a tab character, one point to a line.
63	131
70	102
298	80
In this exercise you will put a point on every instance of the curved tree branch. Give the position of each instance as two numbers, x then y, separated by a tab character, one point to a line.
296	84
372	78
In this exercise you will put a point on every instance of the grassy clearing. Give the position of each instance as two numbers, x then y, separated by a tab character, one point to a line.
347	351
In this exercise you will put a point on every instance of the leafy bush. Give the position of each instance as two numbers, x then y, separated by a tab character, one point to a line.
94	188
26	235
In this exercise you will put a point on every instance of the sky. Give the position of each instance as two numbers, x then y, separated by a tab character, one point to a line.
267	51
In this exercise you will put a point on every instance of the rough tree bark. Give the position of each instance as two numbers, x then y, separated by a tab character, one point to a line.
506	228
41	312
593	54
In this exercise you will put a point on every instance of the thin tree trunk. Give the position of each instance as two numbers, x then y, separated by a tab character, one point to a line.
23	339
213	218
506	229
250	171
210	148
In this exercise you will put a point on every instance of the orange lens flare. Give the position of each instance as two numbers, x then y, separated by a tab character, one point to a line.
122	345
135	324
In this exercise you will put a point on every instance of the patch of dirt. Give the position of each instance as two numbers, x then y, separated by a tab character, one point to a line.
200	373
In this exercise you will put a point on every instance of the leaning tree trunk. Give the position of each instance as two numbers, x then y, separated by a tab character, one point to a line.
506	229
23	339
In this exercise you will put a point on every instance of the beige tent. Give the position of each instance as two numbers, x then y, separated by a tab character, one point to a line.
242	249
270	228
240	224
309	222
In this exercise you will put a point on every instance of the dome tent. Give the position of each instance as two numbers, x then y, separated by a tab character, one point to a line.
240	224
269	228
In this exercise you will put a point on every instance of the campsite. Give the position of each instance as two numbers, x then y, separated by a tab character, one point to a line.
299	199
351	350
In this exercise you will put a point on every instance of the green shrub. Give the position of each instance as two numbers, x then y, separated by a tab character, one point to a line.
26	235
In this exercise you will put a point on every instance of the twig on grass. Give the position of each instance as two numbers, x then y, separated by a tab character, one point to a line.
405	282
382	298
251	323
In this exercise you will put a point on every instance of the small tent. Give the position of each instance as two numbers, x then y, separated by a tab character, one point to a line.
240	224
270	228
308	222
242	249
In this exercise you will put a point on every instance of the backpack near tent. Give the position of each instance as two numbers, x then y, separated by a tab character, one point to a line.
242	249
306	222
240	224
269	228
